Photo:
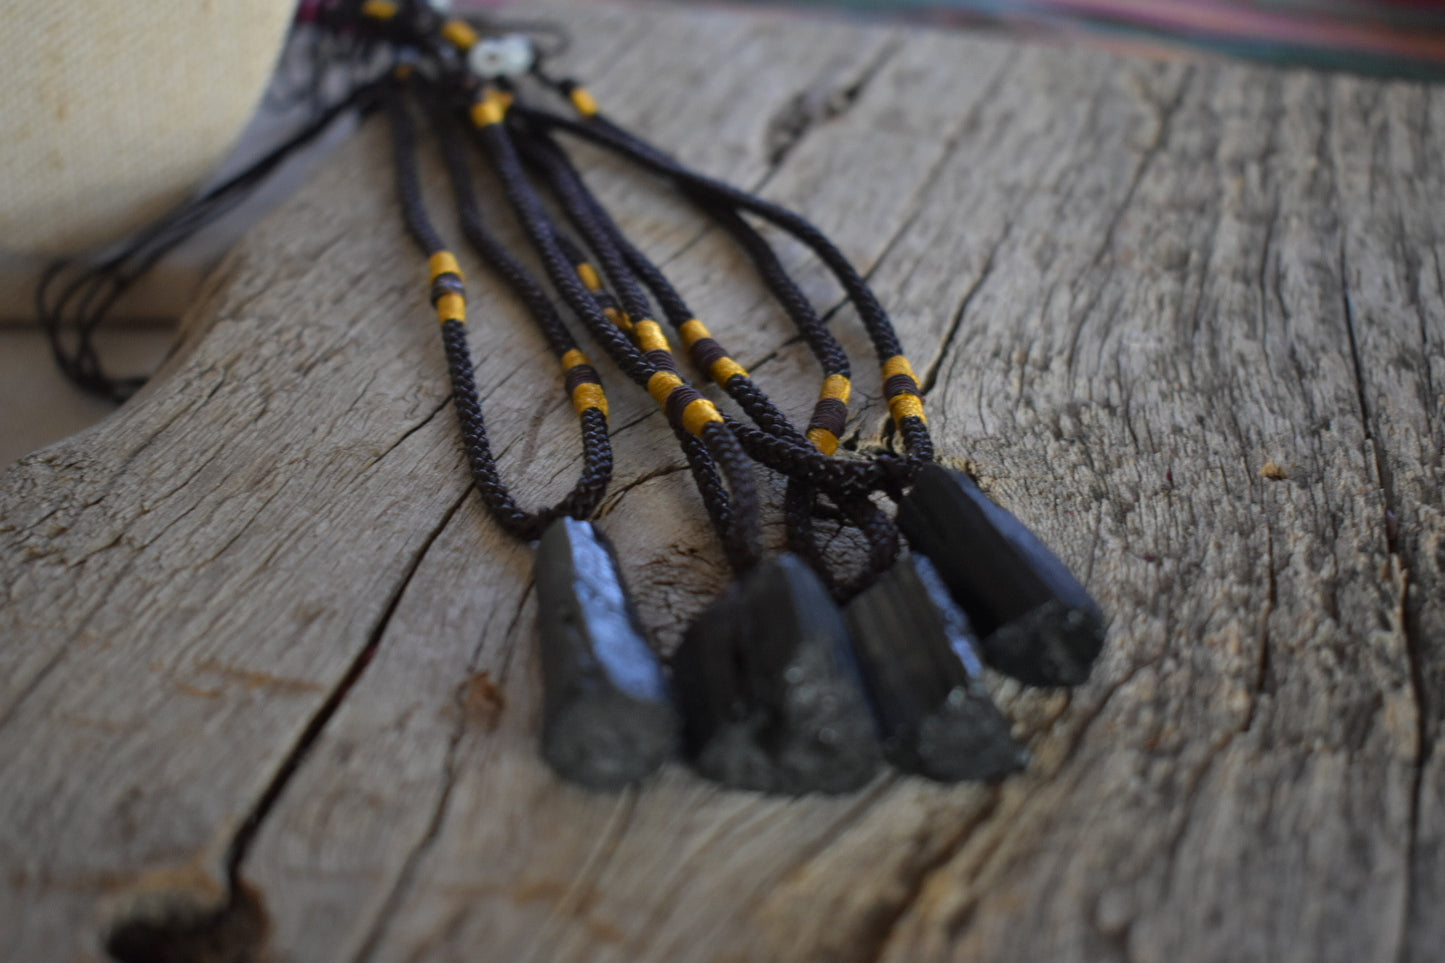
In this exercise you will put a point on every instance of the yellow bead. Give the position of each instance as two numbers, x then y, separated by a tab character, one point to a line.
379	9
823	439
724	369
692	332
460	33
898	365
837	386
444	262
589	395
649	337
451	307
698	414
583	101
589	277
661	384
906	406
487	112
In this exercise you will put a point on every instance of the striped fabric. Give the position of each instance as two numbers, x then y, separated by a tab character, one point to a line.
1395	38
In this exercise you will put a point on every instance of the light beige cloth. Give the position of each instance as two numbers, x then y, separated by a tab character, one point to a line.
112	111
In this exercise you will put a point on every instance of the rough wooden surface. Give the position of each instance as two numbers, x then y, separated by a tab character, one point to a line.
262	649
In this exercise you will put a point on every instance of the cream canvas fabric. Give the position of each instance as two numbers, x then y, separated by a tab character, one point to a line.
111	112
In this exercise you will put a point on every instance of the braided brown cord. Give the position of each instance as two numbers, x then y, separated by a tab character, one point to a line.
700	462
488	247
737	517
585	212
74	296
719	454
600	294
820	340
709	482
603	132
596	471
742	538
524	202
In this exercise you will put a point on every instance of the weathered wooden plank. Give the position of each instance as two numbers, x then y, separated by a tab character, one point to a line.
190	584
1130	287
1382	140
248	497
1262	725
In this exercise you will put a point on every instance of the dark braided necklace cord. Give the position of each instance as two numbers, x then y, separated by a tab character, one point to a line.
592	220
700	462
822	471
602	132
742	535
72	299
623	266
597	451
719	456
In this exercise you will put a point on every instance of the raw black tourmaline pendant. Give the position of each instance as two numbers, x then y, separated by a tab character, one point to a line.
606	717
769	690
922	675
1035	620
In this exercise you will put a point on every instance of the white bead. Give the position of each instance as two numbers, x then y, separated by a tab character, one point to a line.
440	6
505	56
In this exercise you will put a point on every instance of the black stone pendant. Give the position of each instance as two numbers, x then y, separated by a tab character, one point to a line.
1035	620
769	690
607	719
922	675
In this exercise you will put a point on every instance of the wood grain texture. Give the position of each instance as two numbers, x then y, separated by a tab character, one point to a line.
1183	319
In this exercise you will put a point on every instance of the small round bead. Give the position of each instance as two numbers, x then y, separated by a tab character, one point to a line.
505	56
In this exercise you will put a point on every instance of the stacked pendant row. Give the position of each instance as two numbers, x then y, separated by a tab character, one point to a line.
775	688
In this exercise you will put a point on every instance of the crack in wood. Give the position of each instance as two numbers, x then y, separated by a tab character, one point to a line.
402	885
240	842
1433	399
812	107
774	163
875	944
1262	664
127	566
616	493
1385	482
883	434
1163	125
930	376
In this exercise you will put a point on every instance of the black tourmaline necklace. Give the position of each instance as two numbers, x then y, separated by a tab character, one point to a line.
802	676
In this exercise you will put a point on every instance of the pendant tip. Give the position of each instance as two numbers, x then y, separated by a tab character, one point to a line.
916	650
607	717
769	691
1036	622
